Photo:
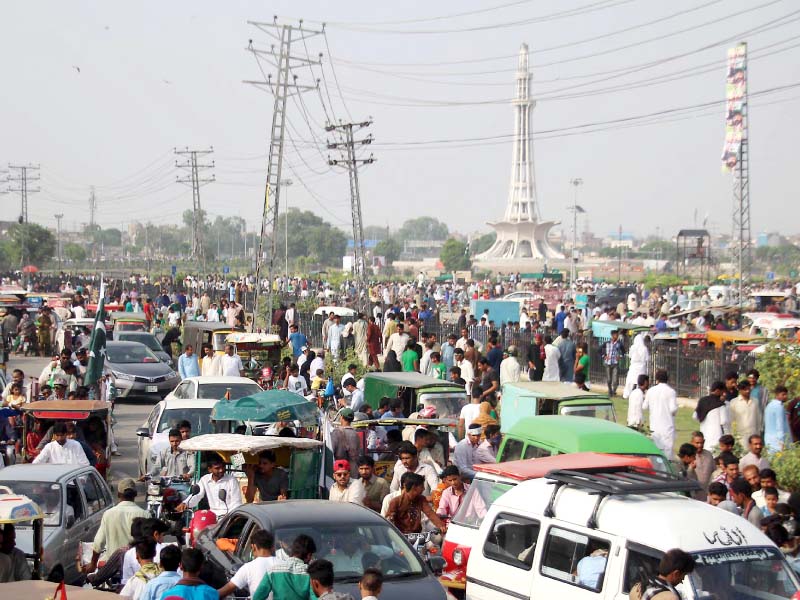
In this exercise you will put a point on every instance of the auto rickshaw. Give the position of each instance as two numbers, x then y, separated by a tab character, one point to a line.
259	352
128	321
266	413
199	333
300	457
415	388
21	510
92	419
386	457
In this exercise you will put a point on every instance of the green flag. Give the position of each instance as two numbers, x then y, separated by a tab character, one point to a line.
97	347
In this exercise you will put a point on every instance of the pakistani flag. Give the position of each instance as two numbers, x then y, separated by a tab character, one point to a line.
97	346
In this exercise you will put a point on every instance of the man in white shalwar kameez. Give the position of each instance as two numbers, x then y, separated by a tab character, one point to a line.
639	356
662	402
551	356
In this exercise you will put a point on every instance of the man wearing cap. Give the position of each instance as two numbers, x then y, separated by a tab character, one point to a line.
345	442
62	451
464	453
304	352
343	489
115	526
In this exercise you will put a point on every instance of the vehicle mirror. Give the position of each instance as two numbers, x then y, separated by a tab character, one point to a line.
143	432
223	495
70	521
195	489
437	564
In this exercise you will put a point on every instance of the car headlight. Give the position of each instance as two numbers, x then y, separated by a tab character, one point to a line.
118	375
458	557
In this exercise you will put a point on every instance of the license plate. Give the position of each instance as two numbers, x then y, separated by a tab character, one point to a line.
151	389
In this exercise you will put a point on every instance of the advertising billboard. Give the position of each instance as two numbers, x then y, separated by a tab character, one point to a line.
735	106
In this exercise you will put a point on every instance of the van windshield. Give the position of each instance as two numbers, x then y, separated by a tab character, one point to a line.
601	411
743	573
479	497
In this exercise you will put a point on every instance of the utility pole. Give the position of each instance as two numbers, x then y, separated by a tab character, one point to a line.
92	208
619	256
282	60
58	237
577	181
287	183
351	162
195	181
22	178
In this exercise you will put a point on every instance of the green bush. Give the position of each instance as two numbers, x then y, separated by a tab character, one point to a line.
786	465
780	365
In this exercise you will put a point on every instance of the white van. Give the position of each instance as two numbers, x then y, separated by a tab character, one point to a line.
575	535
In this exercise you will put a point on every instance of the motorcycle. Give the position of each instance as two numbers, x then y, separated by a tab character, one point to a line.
164	495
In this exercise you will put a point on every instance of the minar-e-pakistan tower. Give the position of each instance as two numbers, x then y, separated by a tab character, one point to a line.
521	234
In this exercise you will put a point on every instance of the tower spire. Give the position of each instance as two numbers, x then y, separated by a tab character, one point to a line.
522	234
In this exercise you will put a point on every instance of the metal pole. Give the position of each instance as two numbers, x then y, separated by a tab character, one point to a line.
573	266
287	183
58	238
619	254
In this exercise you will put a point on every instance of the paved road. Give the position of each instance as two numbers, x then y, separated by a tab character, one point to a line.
129	415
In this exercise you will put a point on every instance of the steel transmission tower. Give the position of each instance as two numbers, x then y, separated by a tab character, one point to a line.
283	61
194	168
351	162
24	175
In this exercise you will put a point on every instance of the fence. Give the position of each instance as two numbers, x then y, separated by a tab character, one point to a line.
691	370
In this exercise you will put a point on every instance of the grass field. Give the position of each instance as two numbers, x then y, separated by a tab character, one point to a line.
684	424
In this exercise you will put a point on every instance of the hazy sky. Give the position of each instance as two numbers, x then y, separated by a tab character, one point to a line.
155	75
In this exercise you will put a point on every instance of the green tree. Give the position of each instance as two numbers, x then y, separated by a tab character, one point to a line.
454	255
38	243
423	228
74	252
389	248
483	243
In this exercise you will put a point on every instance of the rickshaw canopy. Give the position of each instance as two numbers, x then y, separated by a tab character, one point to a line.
269	406
15	508
252	339
73	410
391	421
232	443
603	329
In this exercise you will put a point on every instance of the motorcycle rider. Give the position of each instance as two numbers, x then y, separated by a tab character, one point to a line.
172	462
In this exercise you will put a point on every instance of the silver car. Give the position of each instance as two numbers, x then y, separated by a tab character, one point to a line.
149	340
73	500
137	371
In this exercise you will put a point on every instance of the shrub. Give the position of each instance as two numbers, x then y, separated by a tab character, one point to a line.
779	364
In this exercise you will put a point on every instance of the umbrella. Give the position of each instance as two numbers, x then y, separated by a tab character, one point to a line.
30	269
269	406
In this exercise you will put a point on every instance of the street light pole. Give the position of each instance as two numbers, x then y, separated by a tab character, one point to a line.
577	181
58	238
286	183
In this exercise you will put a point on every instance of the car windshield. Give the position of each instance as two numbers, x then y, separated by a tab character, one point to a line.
148	340
200	418
45	493
480	496
216	391
356	547
603	411
130	354
743	573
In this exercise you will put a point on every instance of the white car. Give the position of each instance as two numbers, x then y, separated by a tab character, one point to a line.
191	400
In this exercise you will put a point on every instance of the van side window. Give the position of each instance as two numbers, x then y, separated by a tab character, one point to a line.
512	540
512	450
532	451
575	558
639	567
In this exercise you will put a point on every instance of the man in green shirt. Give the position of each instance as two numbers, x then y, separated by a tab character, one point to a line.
288	579
410	359
438	368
